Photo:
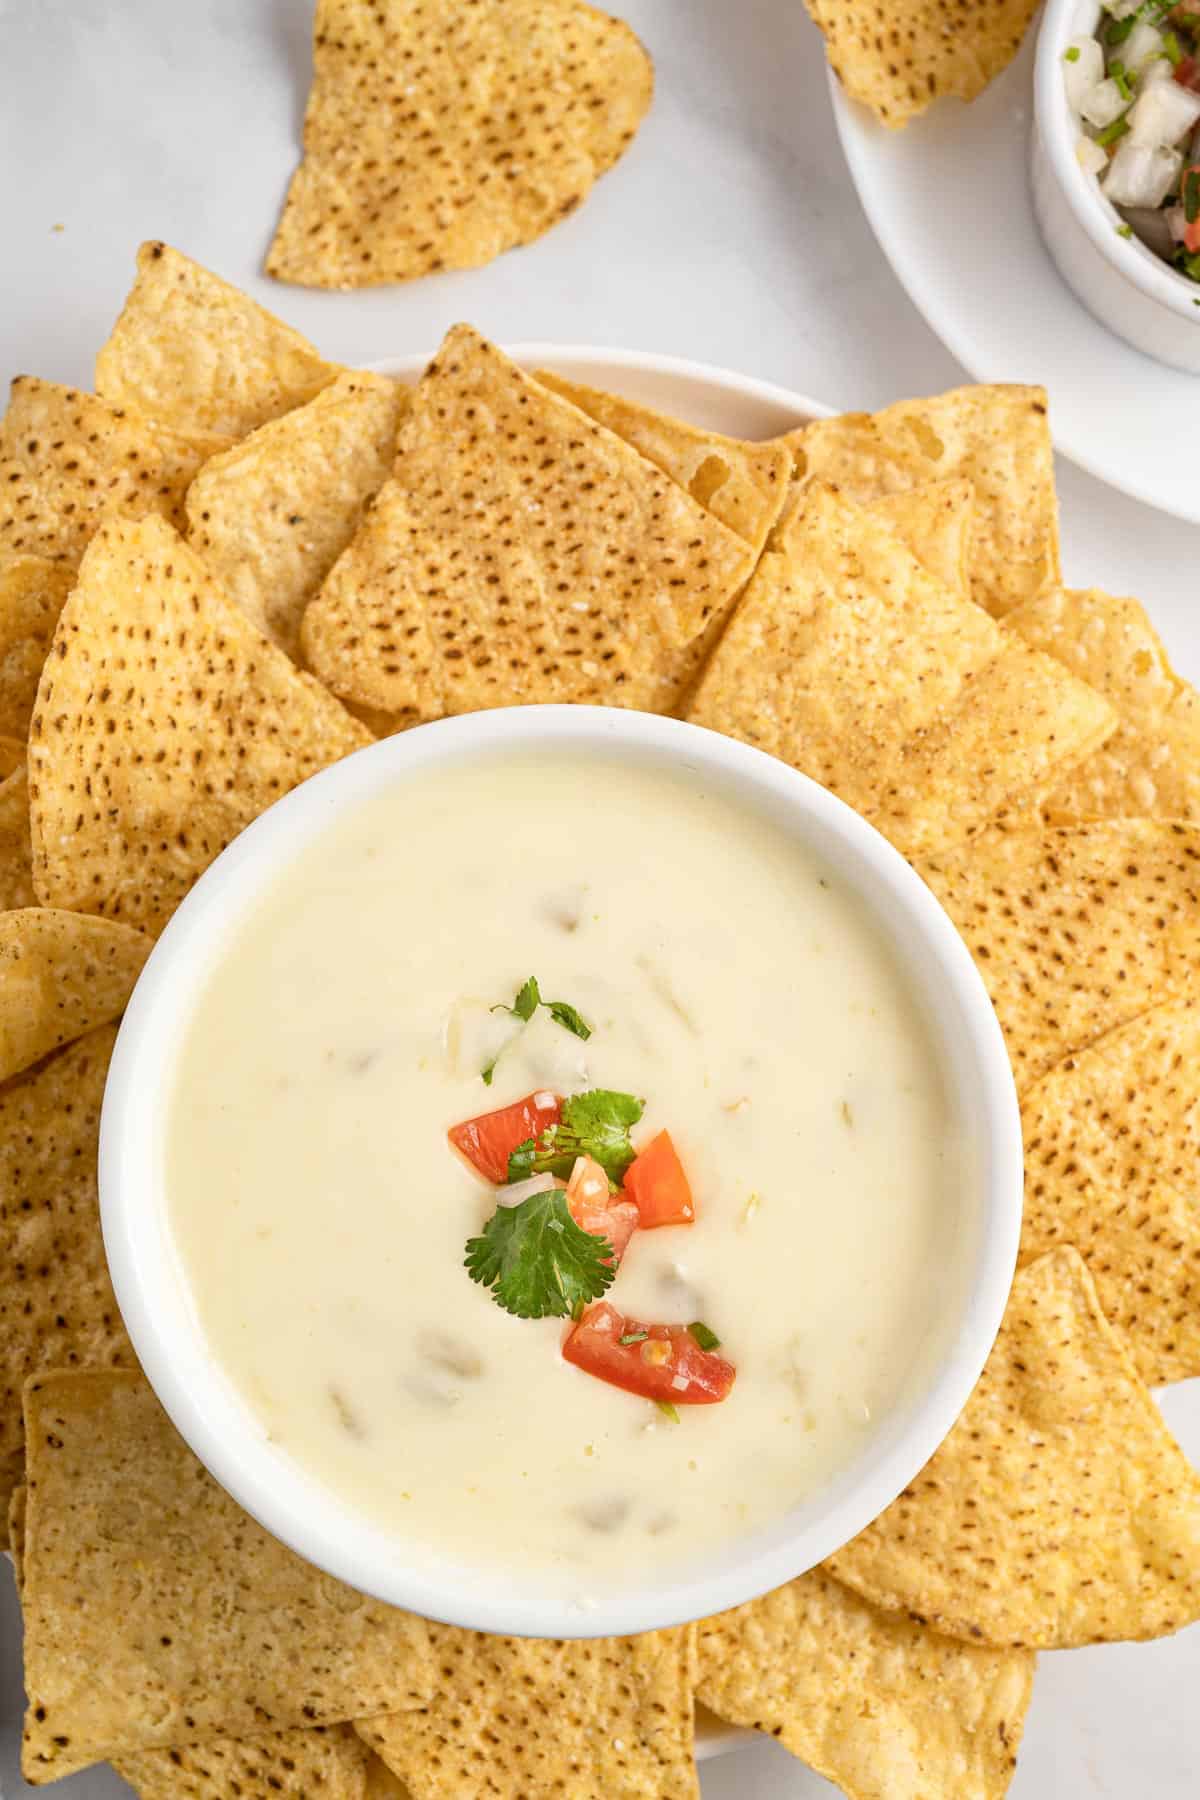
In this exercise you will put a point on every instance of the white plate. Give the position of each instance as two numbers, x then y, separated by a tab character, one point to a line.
1070	1742
949	202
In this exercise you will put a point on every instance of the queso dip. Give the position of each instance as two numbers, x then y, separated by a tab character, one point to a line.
724	979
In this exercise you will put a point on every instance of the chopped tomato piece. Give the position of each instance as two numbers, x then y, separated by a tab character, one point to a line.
488	1141
1187	73
660	1362
657	1185
1191	232
595	1208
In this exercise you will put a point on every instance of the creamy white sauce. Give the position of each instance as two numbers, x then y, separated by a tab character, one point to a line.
321	1217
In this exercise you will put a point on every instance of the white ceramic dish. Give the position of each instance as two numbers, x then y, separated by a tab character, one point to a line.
949	202
150	1280
1127	287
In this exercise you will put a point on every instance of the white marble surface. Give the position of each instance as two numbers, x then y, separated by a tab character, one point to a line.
731	234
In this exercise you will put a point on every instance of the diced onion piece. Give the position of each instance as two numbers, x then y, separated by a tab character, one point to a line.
1102	104
1092	159
514	1192
1141	176
1154	73
1162	115
1143	43
1084	71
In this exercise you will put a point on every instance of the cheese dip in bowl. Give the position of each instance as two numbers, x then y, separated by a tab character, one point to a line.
560	1171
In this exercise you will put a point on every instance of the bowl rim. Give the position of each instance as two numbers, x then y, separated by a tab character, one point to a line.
1056	128
678	1599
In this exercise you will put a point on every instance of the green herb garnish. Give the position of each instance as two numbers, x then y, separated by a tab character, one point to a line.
668	1411
1119	29
537	1261
1118	74
1171	50
706	1338
528	999
1071	55
1125	231
1188	263
1112	132
594	1124
634	1337
1191	196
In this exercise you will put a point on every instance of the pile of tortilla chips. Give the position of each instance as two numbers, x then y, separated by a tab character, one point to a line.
236	563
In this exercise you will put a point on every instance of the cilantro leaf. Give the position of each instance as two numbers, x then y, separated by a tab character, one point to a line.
704	1335
526	1002
565	1015
537	1261
594	1124
528	999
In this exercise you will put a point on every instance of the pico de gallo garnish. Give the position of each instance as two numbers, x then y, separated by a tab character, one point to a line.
1134	88
572	1190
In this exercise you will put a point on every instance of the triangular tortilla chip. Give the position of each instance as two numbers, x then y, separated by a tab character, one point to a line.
935	521
138	1564
597	1718
202	356
61	975
68	460
271	516
1074	931
1060	1510
997	438
15	1507
165	722
884	1708
57	1307
901	57
741	484
848	660
1112	1151
319	1764
437	136
12	756
521	552
1150	766
16	853
32	591
382	1784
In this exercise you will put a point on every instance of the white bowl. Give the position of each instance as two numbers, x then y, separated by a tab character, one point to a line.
151	1284
1129	289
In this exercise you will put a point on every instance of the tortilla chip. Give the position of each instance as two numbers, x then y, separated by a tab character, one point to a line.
849	661
61	975
1074	931
12	756
271	516
521	552
1150	767
438	136
32	591
1060	1510
68	460
137	1563
598	1719
743	485
164	723
899	59
382	1784
320	1764
997	438
202	356
15	1515
1112	1147
57	1307
16	854
934	520
884	1708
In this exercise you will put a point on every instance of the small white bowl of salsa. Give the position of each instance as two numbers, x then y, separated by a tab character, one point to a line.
1115	166
561	1172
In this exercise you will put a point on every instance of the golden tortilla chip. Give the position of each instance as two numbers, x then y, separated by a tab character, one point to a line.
57	1307
165	722
202	356
68	460
1112	1150
741	484
934	520
438	136
1076	930
849	661
137	1563
324	1763
382	1784
1060	1510
997	438
1150	766
899	58
61	975
596	1718
271	516
15	1511
32	591
884	1708
521	552
16	854
12	756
